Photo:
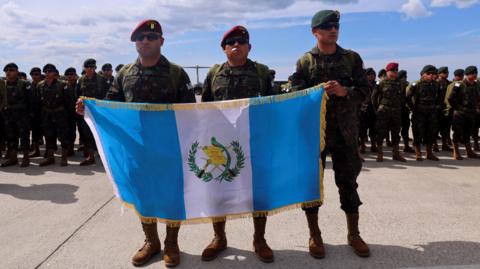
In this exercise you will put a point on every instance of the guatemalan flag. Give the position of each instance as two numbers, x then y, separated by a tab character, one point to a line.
201	161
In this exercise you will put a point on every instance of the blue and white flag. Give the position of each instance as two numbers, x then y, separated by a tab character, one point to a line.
195	162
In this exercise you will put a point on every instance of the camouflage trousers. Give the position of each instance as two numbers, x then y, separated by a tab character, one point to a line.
388	120
444	125
55	126
17	127
405	123
424	126
72	127
476	127
347	165
36	126
367	123
2	130
463	127
86	134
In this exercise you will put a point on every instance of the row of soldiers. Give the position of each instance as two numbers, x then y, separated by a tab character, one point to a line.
45	107
436	106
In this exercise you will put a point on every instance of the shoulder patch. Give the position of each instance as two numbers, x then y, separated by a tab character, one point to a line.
457	84
378	82
414	83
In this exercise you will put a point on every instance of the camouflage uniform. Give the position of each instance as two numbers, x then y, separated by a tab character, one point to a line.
405	118
35	114
368	120
346	67
3	100
444	120
72	117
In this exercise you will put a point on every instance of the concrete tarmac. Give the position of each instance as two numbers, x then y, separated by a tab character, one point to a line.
415	215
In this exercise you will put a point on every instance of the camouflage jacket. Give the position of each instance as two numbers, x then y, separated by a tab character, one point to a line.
442	89
95	87
423	97
227	83
17	95
53	96
164	82
3	95
388	95
346	67
464	97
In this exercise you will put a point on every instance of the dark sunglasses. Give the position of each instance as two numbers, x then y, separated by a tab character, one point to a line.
149	36
394	70
10	70
329	25
231	41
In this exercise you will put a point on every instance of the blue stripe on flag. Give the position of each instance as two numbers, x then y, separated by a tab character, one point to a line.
144	156
285	149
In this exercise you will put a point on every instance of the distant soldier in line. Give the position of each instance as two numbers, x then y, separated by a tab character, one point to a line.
3	104
388	99
444	121
16	115
93	86
35	112
463	99
107	74
367	116
424	102
71	98
54	115
402	76
22	75
118	68
239	77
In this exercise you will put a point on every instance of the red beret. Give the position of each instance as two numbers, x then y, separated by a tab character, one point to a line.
391	66
235	31
147	25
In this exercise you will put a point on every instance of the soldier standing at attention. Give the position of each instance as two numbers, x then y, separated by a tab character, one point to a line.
70	88
367	116
36	112
94	86
153	79
54	115
423	99
444	121
402	76
464	99
388	99
107	74
343	75
237	78
16	115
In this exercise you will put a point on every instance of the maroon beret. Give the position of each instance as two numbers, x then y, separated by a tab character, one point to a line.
235	31
148	26
391	66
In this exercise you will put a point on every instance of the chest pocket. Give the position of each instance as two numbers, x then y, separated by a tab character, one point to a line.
335	67
236	84
148	87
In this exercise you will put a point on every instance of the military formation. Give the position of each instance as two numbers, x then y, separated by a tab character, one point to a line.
379	111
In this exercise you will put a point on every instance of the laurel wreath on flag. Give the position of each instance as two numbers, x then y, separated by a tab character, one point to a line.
228	174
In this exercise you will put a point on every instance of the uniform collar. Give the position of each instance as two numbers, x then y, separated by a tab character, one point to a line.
339	50
162	62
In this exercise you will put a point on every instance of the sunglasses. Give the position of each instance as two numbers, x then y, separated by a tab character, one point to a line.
231	41
149	36
329	25
394	70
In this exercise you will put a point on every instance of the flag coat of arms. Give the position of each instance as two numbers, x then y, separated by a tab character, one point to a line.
200	161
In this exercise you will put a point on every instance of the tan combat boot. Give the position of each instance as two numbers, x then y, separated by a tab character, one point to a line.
379	152
418	154
171	252
456	152
36	150
150	248
89	159
49	158
470	153
396	154
11	158
315	243
218	244
354	240
263	251
26	159
430	155
64	160
445	146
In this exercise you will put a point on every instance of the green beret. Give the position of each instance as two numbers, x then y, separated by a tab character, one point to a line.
471	70
369	71
459	72
35	70
443	70
70	70
107	66
49	67
402	74
89	62
325	16
10	66
428	68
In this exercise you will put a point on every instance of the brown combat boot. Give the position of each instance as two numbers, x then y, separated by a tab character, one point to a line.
49	158
456	152
435	147
445	146
90	158
406	147
315	243
430	155
418	154
363	148
218	244
26	159
70	151
470	153
354	240
171	252
260	246
11	158
64	160
150	248
36	150
396	154
379	153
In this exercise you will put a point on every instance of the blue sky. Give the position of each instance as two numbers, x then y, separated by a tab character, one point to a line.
411	32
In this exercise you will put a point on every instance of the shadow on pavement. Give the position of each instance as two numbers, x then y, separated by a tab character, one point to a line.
55	193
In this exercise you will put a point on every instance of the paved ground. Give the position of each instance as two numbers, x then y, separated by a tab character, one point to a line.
415	215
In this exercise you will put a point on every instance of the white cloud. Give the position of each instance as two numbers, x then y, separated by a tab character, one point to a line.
414	9
458	3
